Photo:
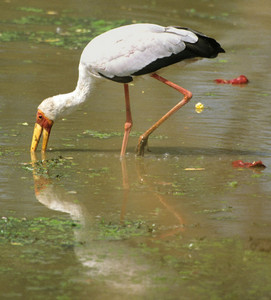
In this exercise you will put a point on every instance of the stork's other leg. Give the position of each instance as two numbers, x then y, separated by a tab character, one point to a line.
187	96
129	123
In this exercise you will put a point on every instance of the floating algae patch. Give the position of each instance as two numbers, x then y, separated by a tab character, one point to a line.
34	256
192	12
107	135
123	230
100	135
39	231
51	168
61	30
206	268
30	9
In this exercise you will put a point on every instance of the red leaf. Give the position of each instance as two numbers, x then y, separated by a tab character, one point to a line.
242	79
241	164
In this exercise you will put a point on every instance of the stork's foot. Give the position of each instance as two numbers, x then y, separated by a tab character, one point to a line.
142	143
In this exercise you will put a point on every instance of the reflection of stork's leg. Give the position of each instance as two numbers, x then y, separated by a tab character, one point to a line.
140	171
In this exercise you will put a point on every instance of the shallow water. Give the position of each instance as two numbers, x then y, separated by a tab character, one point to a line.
180	223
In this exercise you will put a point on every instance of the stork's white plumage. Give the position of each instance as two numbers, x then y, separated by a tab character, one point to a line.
120	55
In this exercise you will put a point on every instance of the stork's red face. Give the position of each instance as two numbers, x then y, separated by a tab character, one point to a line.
43	124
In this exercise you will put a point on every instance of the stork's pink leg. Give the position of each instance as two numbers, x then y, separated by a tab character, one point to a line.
129	123
187	96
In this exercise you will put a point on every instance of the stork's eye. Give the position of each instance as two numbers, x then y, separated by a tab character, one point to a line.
40	116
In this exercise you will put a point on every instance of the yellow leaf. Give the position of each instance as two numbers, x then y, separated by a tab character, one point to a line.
52	12
16	244
194	169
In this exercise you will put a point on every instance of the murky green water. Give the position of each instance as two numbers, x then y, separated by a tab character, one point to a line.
180	223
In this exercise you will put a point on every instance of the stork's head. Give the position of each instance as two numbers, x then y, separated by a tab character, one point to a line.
54	108
46	116
43	124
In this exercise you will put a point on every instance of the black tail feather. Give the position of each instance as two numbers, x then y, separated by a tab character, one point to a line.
204	47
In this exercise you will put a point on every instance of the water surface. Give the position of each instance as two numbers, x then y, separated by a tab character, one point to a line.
180	223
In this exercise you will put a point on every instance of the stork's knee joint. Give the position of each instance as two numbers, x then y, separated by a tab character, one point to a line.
189	95
128	126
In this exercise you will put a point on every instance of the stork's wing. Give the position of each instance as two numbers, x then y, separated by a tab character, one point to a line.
139	49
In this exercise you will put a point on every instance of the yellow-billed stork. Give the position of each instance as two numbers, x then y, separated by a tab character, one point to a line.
120	55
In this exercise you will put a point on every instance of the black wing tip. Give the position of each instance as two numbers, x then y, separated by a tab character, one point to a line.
221	50
216	46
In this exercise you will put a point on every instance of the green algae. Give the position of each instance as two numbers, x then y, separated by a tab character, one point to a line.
39	231
192	12
62	30
34	251
50	168
107	135
208	267
204	268
123	230
30	9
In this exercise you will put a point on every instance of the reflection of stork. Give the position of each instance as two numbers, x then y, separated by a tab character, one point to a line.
102	262
119	266
120	55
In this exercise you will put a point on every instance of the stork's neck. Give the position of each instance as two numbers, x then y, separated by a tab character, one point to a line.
61	105
84	88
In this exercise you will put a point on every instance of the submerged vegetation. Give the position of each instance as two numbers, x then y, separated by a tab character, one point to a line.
106	135
123	230
62	30
56	167
27	243
39	231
